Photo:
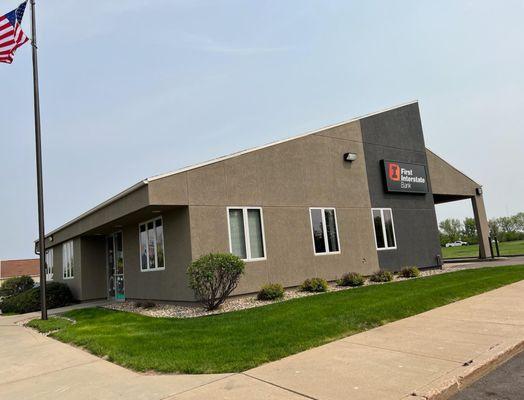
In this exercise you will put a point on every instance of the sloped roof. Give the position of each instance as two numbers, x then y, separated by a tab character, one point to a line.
242	152
213	161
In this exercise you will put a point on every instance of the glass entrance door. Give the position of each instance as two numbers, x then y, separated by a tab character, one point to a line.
115	266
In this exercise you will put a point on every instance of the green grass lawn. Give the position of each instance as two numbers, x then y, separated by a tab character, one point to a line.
237	341
54	323
513	248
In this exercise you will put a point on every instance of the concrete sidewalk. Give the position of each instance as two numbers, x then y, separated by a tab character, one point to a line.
408	359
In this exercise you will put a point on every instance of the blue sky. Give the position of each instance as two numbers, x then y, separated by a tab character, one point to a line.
134	88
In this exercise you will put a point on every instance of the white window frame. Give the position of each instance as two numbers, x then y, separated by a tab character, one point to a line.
246	232
383	223
324	228
49	262
69	272
147	246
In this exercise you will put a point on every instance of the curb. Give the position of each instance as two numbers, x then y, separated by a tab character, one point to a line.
471	371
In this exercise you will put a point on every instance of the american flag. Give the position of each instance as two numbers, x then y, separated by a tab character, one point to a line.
11	34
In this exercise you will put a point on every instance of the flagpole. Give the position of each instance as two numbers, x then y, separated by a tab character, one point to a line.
39	179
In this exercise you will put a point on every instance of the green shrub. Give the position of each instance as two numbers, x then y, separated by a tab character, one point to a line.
58	295
409	272
16	285
314	285
271	291
214	276
511	236
351	279
381	276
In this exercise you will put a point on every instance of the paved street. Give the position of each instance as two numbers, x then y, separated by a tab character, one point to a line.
392	362
505	383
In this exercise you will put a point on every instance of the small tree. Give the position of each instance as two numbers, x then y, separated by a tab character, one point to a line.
16	285
519	221
508	228
494	228
507	224
213	277
470	230
452	228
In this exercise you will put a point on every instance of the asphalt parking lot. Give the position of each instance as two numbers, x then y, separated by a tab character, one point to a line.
504	383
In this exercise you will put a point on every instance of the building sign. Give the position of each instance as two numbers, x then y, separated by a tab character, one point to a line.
404	177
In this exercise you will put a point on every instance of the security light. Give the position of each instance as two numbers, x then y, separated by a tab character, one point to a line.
350	157
479	191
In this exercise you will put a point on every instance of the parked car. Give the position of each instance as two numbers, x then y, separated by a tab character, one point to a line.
457	243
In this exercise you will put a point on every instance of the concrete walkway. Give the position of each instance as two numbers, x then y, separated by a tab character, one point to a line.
407	359
495	262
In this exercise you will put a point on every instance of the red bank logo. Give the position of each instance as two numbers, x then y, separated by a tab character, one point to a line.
394	172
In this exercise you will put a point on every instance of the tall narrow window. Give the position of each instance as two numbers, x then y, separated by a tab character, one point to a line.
324	230
236	233
159	243
151	248
151	235
256	242
246	233
49	264
68	260
384	228
317	225
379	232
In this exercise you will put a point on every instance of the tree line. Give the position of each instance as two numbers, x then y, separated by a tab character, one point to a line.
505	229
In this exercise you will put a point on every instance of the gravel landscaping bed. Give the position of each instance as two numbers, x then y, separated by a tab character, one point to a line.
166	310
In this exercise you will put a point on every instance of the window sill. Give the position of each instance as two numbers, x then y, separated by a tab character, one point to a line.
68	279
153	269
254	259
328	253
386	248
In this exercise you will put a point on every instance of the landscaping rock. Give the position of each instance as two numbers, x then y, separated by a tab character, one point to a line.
167	310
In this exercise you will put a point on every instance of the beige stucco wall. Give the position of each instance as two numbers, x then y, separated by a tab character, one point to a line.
170	283
447	180
75	284
286	180
289	244
128	204
481	222
94	268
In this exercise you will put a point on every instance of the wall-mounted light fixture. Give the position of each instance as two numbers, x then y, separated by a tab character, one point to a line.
479	191
350	157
